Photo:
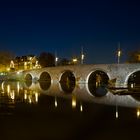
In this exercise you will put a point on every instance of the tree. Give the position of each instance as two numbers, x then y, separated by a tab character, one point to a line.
6	57
63	62
134	57
46	59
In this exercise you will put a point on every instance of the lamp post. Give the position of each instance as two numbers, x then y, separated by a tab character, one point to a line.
119	52
82	56
56	59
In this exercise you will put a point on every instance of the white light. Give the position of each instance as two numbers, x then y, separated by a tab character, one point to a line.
117	115
119	53
82	56
56	102
138	113
25	96
18	87
73	101
8	88
12	94
36	97
56	59
81	108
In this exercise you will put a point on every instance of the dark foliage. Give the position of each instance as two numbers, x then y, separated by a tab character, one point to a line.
46	59
134	57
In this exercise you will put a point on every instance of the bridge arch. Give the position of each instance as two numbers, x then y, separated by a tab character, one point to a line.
67	81
45	76
45	80
28	77
97	82
132	79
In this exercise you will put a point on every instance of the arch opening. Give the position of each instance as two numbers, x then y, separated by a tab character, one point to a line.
97	83
67	81
45	80
133	83
45	76
28	77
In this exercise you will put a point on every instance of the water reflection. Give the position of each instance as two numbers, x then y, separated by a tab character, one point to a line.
18	92
28	83
51	111
97	83
78	93
44	85
67	82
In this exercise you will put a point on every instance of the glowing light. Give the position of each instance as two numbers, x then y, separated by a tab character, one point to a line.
25	94
30	100
12	95
18	72
117	114
56	102
81	107
18	87
56	59
82	56
119	53
8	69
12	65
8	88
74	60
138	113
73	101
2	86
36	97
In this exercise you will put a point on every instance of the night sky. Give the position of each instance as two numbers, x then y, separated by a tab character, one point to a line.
32	27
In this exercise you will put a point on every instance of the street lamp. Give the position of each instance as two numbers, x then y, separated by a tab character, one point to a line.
82	55
56	59
74	60
119	52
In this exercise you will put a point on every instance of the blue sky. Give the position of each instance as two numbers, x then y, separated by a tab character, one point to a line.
32	27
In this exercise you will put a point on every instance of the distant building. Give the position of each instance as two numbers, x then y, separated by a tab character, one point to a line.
26	62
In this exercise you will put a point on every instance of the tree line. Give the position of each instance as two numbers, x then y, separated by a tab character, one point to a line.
46	59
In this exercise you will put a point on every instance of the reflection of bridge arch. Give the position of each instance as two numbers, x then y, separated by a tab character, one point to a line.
67	81
97	81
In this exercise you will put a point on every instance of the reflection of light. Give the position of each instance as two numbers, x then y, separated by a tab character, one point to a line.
18	87
138	113
8	88
2	86
117	115
8	69
73	101
18	72
55	102
25	96
12	94
81	107
30	100
36	97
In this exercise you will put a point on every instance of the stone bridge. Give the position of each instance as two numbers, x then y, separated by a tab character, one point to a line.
120	74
